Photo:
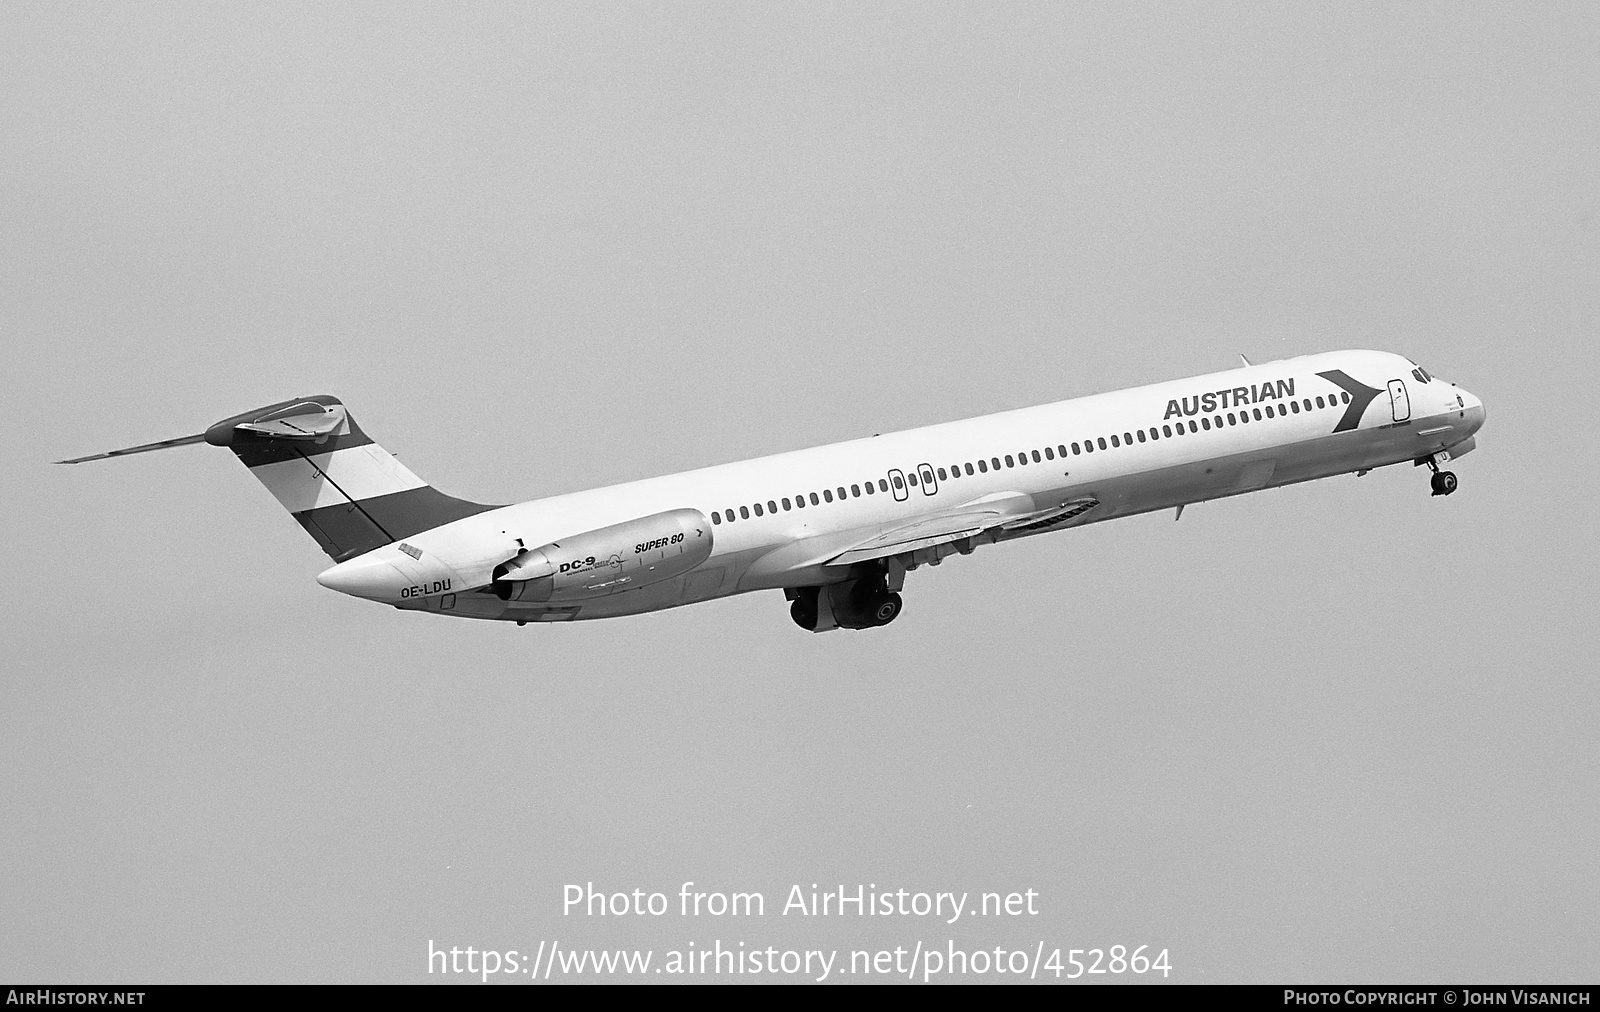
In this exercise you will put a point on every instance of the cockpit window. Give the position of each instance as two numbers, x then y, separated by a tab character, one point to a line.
1421	374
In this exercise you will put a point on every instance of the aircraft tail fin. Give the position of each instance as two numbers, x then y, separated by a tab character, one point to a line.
349	493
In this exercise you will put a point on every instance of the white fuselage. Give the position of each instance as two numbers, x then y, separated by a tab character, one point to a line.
1038	457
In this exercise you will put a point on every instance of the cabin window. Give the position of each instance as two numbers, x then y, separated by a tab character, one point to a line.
786	504
883	484
1063	451
898	483
1101	442
800	501
827	495
983	465
841	491
744	512
912	479
994	462
1141	435
1049	454
855	491
871	488
772	507
1205	423
942	474
1319	402
1036	457
814	499
716	516
1009	462
758	509
1294	406
969	468
1022	458
1114	441
1307	403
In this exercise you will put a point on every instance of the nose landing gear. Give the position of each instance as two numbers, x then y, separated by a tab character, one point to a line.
1443	482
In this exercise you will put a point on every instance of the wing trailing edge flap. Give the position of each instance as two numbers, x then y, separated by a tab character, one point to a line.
1055	516
1007	511
923	534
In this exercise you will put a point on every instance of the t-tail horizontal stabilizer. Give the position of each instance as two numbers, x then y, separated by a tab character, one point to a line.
348	493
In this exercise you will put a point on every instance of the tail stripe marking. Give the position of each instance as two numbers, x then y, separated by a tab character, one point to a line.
354	473
341	491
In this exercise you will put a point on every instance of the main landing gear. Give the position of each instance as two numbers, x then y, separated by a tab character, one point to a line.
862	604
1443	482
804	609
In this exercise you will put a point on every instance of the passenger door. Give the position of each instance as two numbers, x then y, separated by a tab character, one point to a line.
1399	401
929	485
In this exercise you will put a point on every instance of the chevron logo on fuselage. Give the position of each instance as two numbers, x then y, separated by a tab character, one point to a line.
1360	396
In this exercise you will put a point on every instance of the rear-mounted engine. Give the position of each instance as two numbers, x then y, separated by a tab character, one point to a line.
608	560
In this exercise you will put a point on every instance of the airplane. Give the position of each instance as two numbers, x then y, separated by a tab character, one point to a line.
837	527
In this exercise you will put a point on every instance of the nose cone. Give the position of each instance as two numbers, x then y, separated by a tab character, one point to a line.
365	576
1474	410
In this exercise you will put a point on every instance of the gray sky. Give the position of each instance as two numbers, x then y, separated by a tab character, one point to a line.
1341	731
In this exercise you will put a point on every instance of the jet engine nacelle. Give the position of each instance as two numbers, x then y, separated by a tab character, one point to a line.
609	560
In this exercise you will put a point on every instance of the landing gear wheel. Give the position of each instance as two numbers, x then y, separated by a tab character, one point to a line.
886	609
804	611
1444	482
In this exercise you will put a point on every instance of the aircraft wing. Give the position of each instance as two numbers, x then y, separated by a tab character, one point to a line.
1008	511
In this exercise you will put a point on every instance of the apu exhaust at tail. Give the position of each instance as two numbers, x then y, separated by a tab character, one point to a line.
349	493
